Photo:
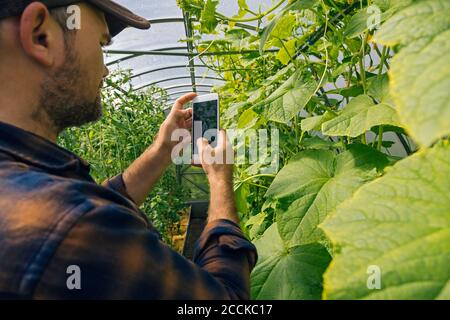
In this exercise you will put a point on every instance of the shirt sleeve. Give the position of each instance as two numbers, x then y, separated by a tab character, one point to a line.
117	184
120	257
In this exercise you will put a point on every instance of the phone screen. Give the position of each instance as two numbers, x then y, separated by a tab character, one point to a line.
204	123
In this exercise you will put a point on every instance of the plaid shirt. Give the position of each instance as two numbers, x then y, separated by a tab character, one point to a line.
53	216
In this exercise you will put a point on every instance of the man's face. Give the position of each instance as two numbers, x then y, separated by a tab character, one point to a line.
70	92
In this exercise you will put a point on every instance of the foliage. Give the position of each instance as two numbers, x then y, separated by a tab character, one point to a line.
400	223
338	87
129	124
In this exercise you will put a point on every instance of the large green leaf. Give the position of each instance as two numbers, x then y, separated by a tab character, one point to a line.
315	123
367	17
399	223
392	6
247	119
357	24
290	98
422	19
314	183
287	273
420	73
287	51
420	82
283	29
280	19
358	116
241	193
379	88
208	18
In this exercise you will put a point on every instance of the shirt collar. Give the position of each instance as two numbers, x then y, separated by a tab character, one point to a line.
32	149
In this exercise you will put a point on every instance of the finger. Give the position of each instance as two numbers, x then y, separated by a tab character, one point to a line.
184	113
187	124
203	148
181	101
180	116
187	113
223	140
197	158
202	144
225	145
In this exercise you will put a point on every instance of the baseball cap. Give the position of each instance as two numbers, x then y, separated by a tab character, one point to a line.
117	16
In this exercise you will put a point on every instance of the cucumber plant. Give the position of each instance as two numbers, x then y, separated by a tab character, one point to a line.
339	79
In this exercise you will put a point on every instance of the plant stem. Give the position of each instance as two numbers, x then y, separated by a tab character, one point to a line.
380	138
363	138
381	54
382	61
258	17
257	176
257	185
362	62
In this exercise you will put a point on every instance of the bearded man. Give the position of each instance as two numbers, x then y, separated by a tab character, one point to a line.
55	220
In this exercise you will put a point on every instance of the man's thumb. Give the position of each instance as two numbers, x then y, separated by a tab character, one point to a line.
202	143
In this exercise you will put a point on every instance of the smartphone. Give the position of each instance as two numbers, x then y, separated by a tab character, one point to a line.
205	121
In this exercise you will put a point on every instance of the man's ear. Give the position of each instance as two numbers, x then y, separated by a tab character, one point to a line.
39	35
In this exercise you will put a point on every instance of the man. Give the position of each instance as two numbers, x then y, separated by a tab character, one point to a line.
61	234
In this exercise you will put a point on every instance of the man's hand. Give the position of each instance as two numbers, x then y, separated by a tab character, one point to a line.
144	172
178	118
218	165
217	162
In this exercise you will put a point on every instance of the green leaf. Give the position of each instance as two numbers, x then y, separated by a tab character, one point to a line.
445	292
287	51
290	98
242	5
399	223
315	123
283	28
367	17
389	128
420	82
419	72
283	273
317	143
241	195
358	116
357	24
379	88
422	19
255	223
208	19
267	32
234	109
352	91
279	75
314	182
247	119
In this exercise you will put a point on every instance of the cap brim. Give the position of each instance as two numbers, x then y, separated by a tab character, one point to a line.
119	17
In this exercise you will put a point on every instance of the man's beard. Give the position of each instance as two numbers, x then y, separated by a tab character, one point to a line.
62	95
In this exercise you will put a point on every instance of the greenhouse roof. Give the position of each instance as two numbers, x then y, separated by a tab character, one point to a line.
158	56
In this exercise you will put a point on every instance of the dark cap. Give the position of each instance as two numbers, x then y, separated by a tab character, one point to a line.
117	16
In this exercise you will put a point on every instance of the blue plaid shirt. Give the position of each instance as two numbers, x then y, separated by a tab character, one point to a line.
54	216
